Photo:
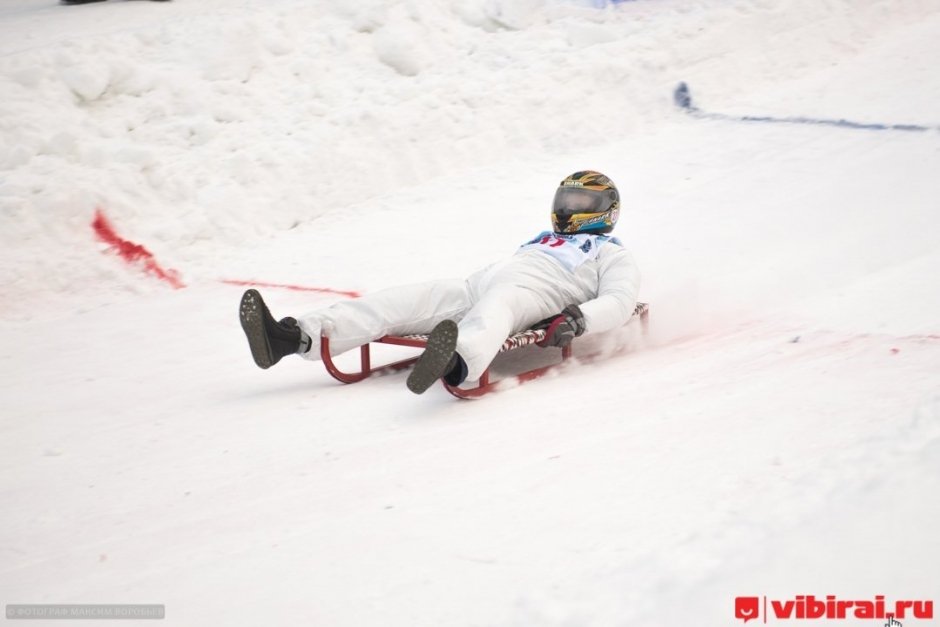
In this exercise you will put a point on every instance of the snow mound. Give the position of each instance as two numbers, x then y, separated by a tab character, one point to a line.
201	129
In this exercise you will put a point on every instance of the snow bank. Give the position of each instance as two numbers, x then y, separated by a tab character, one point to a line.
204	128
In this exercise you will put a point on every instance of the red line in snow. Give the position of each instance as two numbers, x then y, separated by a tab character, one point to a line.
295	288
133	254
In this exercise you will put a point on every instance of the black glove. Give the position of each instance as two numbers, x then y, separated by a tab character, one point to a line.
562	328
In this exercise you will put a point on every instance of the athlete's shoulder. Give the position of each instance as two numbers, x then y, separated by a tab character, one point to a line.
611	246
618	256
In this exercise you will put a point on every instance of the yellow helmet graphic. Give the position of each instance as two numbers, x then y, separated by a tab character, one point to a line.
586	202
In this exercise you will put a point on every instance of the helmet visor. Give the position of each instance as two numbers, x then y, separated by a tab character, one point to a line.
572	200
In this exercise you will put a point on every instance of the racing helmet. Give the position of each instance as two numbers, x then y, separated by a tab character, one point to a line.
585	202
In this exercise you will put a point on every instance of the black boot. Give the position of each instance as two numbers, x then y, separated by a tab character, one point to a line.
269	339
456	371
439	360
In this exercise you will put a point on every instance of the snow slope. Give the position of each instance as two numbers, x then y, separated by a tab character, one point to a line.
777	434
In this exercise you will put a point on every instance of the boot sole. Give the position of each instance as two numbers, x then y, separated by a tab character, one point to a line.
442	343
251	315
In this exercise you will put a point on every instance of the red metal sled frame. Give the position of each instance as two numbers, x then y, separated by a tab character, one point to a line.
483	386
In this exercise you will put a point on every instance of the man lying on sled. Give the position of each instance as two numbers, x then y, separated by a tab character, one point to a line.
568	281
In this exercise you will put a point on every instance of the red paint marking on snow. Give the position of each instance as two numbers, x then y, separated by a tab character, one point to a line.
295	288
132	253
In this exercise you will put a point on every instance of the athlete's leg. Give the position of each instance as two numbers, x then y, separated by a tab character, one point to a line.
395	311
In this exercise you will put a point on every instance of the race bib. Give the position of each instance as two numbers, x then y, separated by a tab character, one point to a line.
570	250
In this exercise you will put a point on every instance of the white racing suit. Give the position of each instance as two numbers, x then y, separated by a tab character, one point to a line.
542	278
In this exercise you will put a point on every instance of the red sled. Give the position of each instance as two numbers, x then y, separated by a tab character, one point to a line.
484	385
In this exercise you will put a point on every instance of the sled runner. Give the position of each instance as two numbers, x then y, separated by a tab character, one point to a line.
484	385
